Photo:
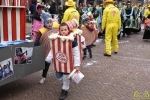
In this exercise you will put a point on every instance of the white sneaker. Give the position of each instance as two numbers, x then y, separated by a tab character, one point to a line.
42	80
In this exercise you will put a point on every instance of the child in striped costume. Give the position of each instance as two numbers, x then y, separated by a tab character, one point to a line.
62	76
42	39
89	26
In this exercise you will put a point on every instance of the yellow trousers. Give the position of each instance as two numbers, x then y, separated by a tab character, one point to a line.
111	36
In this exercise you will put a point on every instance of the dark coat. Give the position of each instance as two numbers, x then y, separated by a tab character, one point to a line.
33	7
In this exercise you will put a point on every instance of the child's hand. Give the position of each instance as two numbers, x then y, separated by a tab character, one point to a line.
77	68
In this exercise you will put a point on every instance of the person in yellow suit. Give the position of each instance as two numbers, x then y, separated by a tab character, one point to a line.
111	22
71	12
147	12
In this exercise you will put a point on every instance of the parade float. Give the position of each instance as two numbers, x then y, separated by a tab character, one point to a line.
19	57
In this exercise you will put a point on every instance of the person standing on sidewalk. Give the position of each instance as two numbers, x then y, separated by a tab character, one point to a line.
111	21
47	6
33	8
71	12
53	9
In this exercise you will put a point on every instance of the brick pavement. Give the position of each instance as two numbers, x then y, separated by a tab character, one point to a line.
107	78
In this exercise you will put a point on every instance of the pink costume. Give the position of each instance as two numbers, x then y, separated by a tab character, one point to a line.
36	26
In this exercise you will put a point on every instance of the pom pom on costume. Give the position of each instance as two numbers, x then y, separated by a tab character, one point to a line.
90	16
73	24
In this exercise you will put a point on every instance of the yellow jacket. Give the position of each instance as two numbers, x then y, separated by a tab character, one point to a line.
147	12
43	30
70	13
111	15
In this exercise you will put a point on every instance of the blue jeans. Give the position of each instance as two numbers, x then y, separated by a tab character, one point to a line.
60	74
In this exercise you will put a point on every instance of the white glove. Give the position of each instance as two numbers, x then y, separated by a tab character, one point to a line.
49	57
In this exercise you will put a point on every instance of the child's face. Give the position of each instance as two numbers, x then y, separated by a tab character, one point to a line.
64	30
48	24
88	21
39	10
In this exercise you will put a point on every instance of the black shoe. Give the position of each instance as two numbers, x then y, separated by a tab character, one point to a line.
84	57
107	55
63	95
93	45
123	35
90	55
118	37
115	52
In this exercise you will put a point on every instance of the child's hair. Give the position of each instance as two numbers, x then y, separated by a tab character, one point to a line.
18	50
64	24
39	7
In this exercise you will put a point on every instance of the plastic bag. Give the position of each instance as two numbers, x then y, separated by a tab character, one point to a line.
76	76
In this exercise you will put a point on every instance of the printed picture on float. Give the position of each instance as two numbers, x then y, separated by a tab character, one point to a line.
23	55
6	69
